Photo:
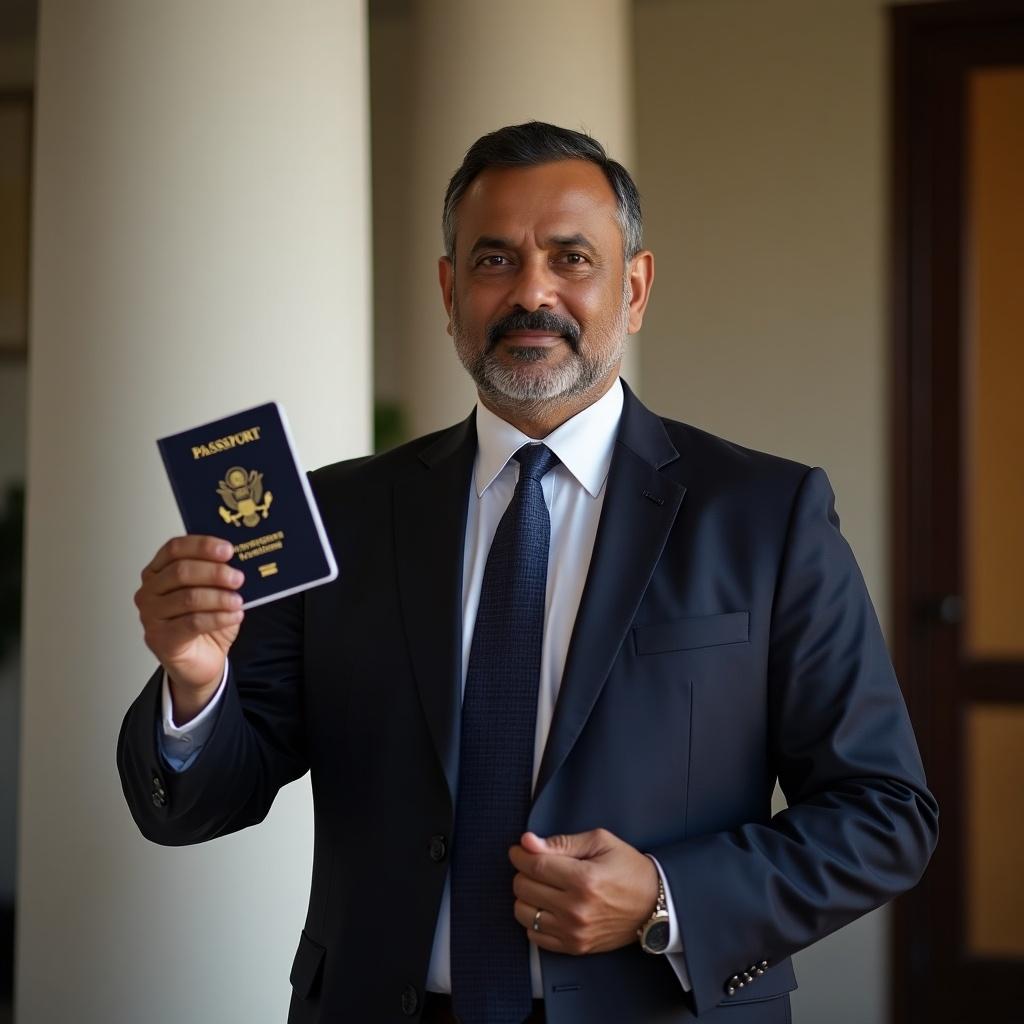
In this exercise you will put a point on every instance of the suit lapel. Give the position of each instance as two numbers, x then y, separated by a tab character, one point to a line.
640	507
430	531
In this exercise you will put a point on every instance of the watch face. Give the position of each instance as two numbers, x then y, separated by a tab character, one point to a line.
656	937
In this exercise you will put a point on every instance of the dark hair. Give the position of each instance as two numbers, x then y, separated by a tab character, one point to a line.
526	145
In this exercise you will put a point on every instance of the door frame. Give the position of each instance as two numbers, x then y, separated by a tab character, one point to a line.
930	45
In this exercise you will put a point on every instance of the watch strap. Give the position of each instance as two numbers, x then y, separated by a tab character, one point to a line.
659	916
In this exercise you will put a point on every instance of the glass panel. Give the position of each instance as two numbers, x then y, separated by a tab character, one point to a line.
995	830
994	330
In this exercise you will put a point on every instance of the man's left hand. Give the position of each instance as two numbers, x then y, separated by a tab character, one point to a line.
593	890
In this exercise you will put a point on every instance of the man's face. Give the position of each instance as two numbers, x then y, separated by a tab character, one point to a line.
538	294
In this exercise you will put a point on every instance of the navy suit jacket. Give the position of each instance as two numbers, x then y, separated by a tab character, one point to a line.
725	639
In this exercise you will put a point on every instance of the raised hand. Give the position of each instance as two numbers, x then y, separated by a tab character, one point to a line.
190	612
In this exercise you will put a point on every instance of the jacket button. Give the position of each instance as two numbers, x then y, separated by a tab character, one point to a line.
438	848
410	1001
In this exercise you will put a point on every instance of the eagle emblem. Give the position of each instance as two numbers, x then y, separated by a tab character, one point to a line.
244	496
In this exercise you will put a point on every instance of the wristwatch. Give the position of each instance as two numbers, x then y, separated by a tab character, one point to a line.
654	933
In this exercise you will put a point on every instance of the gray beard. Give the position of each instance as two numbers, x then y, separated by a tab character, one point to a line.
520	387
525	387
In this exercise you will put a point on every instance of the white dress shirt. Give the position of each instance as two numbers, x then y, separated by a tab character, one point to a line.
574	494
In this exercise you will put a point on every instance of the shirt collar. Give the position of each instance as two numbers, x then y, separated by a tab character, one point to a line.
583	443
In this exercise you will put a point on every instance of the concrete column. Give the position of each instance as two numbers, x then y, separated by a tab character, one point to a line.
200	245
479	66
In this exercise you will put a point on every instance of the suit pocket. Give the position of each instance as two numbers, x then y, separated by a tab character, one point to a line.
307	967
688	634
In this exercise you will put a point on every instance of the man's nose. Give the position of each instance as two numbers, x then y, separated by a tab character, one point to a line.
534	286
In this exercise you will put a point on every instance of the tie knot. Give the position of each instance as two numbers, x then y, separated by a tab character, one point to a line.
535	460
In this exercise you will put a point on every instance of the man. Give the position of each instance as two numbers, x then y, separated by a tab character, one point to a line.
546	702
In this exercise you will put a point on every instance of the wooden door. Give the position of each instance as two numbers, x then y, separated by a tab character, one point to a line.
959	497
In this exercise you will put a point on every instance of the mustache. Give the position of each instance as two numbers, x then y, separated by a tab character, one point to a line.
538	320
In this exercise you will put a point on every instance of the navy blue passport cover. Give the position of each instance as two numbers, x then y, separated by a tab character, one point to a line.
238	478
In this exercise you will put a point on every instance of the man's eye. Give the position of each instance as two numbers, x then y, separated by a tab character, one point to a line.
493	260
575	259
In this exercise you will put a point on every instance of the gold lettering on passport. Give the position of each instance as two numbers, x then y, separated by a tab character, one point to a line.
242	492
260	546
223	444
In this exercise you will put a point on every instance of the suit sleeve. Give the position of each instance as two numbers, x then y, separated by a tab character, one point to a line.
257	744
860	825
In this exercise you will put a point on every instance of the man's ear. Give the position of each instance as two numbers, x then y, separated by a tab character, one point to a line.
446	278
641	278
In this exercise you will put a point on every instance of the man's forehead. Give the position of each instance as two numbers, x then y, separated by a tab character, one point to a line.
563	196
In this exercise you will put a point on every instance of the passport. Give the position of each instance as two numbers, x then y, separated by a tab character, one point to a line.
238	478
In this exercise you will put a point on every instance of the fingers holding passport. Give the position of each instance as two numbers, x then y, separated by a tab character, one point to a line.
191	546
190	608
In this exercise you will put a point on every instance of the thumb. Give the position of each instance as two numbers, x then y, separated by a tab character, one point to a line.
533	843
581	845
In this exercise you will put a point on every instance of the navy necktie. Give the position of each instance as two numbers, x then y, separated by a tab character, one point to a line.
489	949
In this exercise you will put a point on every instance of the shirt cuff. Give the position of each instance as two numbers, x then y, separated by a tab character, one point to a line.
674	951
180	744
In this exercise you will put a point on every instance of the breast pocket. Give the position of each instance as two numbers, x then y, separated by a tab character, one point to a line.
691	633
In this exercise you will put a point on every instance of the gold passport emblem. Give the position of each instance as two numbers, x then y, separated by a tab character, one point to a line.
244	496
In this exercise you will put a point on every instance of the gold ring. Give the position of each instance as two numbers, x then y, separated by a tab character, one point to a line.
536	920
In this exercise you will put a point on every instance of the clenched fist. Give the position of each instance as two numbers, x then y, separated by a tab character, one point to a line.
593	890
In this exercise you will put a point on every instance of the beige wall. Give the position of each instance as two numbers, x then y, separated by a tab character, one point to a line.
761	162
